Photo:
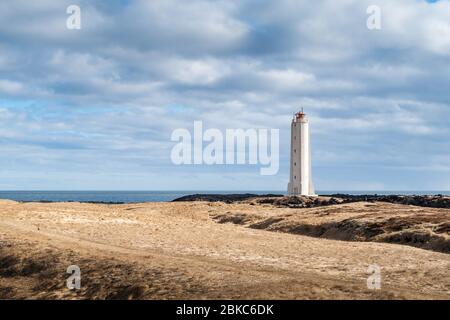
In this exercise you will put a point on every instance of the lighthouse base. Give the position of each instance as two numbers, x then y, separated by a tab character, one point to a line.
295	191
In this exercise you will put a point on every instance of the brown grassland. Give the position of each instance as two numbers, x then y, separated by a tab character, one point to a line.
203	250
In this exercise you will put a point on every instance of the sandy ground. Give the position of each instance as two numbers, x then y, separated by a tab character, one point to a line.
200	250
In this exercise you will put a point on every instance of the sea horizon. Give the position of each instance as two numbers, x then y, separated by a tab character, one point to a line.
134	196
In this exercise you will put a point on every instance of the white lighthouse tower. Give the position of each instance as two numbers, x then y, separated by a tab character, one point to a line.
300	181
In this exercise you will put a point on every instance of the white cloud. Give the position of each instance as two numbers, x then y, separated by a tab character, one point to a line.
11	87
106	94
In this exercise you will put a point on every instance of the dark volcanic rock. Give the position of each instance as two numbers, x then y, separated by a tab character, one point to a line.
227	198
302	201
437	201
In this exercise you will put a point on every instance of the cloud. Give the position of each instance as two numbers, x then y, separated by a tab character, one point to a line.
10	87
104	99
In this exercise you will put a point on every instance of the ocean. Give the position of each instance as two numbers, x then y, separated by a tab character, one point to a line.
159	196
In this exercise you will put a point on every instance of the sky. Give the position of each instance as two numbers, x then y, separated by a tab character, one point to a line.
94	108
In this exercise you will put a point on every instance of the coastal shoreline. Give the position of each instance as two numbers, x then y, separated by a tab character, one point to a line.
434	201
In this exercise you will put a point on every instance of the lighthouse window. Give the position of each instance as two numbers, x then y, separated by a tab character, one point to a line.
295	177
295	163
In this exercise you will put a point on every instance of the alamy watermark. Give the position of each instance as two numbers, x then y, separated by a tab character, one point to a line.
373	21
73	22
74	281
374	279
235	147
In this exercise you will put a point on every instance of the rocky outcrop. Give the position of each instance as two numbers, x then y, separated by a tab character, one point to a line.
302	201
227	198
435	201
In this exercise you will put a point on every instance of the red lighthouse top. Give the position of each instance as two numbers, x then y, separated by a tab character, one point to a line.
300	115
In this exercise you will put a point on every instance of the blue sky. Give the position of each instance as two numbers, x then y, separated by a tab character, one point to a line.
94	108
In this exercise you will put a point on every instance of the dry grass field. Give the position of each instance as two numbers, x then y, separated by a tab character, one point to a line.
202	250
